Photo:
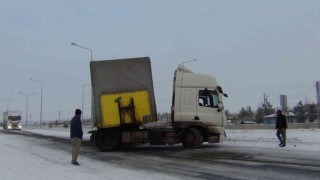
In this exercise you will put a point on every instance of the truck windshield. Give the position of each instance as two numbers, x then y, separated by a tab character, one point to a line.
14	118
208	98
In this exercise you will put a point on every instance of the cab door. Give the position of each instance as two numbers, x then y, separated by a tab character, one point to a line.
208	110
187	105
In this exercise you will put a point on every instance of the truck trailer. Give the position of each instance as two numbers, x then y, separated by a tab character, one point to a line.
124	106
11	120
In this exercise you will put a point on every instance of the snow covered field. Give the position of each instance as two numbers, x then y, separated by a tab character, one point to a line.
297	139
30	158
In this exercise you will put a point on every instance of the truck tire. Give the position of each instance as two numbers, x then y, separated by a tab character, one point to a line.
107	141
93	139
192	138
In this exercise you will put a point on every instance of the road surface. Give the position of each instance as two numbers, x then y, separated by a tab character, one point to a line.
228	160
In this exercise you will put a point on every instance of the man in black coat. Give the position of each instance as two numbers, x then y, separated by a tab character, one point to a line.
281	126
76	135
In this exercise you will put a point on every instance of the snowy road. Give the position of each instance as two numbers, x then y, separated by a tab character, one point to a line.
245	155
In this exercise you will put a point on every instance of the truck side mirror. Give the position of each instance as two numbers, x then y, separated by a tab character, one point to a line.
219	88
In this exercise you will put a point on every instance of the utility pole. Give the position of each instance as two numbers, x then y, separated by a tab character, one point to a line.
318	101
265	98
41	83
8	102
27	104
59	116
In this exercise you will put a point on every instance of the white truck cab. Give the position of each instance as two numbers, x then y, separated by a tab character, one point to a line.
11	120
197	100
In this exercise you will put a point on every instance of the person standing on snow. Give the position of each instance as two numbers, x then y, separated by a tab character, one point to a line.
281	126
76	136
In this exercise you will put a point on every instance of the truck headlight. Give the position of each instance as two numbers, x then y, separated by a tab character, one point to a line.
9	127
20	127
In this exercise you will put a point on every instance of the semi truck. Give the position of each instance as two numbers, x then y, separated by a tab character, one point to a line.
11	120
124	106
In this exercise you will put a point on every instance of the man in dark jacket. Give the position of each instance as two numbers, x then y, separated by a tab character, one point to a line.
76	136
281	126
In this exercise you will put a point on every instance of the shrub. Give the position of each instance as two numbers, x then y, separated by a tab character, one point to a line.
66	125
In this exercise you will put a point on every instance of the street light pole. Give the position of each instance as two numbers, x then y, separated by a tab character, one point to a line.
83	98
8	102
189	61
41	83
92	109
74	44
27	104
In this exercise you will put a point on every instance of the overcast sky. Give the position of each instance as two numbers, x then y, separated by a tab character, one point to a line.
251	47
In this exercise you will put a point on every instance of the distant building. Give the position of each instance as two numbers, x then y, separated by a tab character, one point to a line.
271	119
247	122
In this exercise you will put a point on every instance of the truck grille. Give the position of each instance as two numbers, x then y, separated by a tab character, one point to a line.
14	125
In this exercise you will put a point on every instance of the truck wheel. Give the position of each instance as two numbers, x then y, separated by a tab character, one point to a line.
92	139
107	141
192	138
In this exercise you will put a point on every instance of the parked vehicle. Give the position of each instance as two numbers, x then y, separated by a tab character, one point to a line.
124	106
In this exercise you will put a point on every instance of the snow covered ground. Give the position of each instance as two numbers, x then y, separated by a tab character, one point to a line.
29	158
297	139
